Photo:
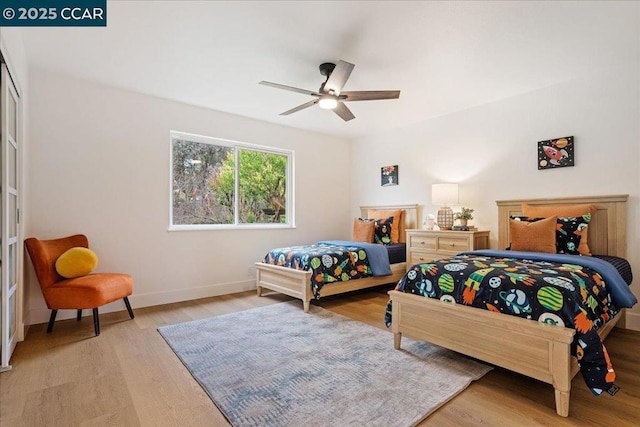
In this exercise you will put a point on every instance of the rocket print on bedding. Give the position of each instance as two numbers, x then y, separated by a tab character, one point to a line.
329	263
561	294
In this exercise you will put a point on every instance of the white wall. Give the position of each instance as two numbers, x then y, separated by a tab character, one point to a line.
491	151
99	165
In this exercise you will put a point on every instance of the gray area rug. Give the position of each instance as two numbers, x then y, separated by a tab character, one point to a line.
279	366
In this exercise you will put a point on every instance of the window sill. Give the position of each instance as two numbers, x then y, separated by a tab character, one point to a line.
212	227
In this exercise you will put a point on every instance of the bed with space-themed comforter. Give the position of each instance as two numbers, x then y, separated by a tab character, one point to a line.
577	292
333	261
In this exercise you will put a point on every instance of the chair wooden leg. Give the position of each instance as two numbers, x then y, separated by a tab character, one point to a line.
52	319
126	302
96	321
79	315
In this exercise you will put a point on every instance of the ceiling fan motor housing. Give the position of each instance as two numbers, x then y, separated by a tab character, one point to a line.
327	68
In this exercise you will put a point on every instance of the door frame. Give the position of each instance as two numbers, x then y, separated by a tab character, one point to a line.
9	342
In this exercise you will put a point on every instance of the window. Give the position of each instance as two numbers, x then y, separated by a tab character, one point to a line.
217	183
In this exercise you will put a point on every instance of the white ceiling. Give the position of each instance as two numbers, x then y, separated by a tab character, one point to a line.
443	56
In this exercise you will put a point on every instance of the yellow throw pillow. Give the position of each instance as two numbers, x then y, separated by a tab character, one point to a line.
363	230
538	236
76	262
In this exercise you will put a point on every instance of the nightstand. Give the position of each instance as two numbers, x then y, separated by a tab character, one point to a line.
427	245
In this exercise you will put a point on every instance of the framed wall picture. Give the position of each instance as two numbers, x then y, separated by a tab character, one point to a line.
389	175
556	153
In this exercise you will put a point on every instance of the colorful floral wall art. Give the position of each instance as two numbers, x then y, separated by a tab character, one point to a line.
389	175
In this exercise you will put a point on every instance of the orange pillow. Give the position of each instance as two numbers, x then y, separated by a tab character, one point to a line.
568	210
538	236
363	230
398	217
533	211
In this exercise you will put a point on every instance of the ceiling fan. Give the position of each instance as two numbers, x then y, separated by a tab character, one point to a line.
330	96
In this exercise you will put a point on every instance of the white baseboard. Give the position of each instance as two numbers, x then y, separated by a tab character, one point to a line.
632	321
41	315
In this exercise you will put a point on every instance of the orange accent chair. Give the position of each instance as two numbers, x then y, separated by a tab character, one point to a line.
90	291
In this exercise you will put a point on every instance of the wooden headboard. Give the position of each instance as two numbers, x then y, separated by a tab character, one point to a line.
411	216
607	229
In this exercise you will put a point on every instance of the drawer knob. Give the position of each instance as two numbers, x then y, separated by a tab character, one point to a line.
422	243
453	244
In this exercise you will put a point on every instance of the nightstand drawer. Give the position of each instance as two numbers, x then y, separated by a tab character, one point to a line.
419	258
422	242
428	245
455	244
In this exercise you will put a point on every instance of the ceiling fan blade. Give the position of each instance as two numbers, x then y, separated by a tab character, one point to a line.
343	112
338	77
291	88
369	95
300	107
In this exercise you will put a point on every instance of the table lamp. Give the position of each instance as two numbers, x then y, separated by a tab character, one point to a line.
443	195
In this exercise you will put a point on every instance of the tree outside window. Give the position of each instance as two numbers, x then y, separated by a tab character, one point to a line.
208	188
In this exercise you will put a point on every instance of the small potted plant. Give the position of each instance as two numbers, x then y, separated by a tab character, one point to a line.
465	215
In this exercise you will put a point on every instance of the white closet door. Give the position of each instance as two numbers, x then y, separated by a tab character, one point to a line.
9	310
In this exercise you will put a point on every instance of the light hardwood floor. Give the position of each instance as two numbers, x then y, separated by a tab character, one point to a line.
128	376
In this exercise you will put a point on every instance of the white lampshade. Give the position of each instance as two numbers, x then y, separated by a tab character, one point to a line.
444	194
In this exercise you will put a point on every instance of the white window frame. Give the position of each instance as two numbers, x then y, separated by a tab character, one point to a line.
290	185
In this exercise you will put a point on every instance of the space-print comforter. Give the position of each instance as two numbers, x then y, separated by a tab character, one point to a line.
564	290
333	261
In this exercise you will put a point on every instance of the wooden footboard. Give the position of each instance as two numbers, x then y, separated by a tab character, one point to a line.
530	348
288	281
537	350
297	283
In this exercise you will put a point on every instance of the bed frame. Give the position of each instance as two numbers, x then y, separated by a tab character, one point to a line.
530	348
297	283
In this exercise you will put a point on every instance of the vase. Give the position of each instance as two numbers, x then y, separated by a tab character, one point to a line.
463	222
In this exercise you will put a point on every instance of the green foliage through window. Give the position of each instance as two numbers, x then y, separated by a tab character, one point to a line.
206	183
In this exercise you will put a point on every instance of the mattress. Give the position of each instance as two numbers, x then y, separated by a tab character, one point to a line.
397	253
621	264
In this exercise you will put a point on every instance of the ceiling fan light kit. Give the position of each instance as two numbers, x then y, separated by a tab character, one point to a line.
330	95
327	102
